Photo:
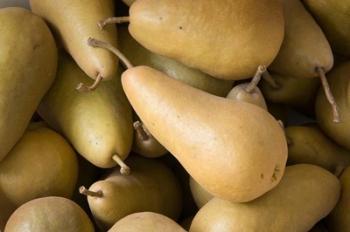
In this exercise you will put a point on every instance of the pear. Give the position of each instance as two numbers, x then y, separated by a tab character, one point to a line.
128	2
306	194
200	195
151	186
339	219
97	123
225	142
339	84
138	55
75	21
307	144
146	221
41	164
333	16
49	214
12	3
28	63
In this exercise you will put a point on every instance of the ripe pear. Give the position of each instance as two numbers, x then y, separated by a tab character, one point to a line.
235	141
333	16
49	214
75	21
339	83
28	60
339	218
139	55
146	221
200	195
97	123
211	35
307	144
306	194
151	186
41	164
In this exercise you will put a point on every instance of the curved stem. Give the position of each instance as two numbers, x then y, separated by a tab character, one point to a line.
101	44
113	20
81	87
124	169
269	79
256	79
328	93
140	131
86	192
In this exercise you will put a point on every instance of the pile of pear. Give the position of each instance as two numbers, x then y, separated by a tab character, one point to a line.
174	115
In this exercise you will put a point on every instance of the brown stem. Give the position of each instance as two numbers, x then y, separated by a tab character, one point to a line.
124	169
269	79
113	20
140	131
328	93
339	169
81	87
101	44
256	79
86	192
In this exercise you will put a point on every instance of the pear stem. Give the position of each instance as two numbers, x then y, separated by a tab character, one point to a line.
101	44
81	87
328	93
256	79
140	131
86	192
339	169
289	141
269	79
280	122
113	20
124	169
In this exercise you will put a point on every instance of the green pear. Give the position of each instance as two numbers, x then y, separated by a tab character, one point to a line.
146	221
211	35
151	186
28	60
49	214
339	84
307	144
339	219
333	16
306	194
41	164
233	138
139	55
74	21
200	195
97	123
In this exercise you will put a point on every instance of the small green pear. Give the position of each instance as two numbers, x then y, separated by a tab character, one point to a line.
49	214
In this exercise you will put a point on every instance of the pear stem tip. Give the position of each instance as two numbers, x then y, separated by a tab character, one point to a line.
138	126
113	20
256	79
86	192
81	87
124	169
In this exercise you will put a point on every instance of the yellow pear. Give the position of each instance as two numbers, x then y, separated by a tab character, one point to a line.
28	61
228	138
75	21
306	194
97	123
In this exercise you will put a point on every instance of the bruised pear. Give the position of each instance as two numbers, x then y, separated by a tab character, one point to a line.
28	60
306	194
97	123
211	35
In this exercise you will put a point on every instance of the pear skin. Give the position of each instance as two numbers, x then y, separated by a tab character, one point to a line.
49	214
151	186
75	21
306	194
28	67
339	83
146	221
307	144
339	218
188	32
200	195
139	55
333	16
231	140
97	123
304	47
41	164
